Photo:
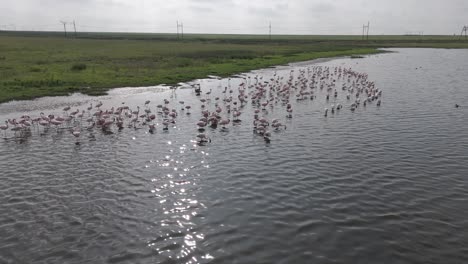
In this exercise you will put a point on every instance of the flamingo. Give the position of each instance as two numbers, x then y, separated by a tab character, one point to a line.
188	109
56	123
75	112
107	123
236	115
16	129
91	126
165	124
202	138
266	136
120	124
152	128
66	109
201	124
224	122
4	127
76	133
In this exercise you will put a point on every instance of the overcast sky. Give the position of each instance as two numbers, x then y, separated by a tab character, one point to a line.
239	16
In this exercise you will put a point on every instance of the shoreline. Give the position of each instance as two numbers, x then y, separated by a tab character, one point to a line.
160	88
227	70
39	66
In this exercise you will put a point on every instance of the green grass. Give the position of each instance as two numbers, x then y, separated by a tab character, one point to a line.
35	64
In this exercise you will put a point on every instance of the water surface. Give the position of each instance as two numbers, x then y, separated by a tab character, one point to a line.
380	185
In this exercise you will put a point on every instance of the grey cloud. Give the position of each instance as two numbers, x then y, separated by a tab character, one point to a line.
323	7
267	11
202	9
320	16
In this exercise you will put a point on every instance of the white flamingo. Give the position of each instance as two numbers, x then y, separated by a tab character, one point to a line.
4	127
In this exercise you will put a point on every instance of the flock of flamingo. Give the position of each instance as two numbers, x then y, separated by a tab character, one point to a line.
217	111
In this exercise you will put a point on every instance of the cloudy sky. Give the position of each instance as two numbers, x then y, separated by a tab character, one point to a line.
240	16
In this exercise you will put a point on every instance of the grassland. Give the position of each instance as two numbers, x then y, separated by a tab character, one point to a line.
35	64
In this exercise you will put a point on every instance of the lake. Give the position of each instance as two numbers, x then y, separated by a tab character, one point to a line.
381	184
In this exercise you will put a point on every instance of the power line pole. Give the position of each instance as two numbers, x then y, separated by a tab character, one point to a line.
464	30
64	27
365	31
368	24
74	27
177	29
180	29
270	32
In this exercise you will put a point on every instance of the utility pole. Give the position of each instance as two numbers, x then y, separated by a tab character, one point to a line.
365	31
74	27
464	30
270	32
180	29
368	24
177	29
64	27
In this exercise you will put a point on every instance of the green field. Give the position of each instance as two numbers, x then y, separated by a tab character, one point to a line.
34	64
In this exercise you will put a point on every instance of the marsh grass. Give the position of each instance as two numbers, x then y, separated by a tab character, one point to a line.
78	67
35	64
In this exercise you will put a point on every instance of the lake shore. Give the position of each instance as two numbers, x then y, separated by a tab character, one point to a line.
45	64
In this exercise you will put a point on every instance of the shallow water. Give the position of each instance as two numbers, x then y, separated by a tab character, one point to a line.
380	185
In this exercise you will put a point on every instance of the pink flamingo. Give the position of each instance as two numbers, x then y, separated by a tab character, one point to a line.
56	123
75	112
264	104
201	124
107	123
224	122
236	115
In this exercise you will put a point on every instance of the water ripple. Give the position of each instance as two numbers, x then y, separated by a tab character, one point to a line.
380	185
